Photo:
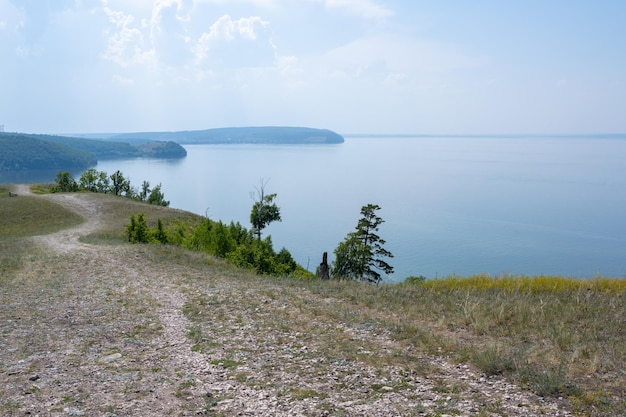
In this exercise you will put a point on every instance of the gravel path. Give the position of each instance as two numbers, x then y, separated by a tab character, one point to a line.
99	330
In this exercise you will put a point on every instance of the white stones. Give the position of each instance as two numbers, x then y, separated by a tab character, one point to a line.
111	358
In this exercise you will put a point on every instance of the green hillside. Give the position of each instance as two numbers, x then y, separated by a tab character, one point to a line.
101	149
161	150
265	135
25	152
119	149
19	151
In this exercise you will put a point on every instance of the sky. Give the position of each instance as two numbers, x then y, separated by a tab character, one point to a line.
352	66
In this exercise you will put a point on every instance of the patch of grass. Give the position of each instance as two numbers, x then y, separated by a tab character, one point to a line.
25	216
551	382
492	360
195	334
12	254
226	363
42	188
239	376
299	394
593	403
104	237
446	387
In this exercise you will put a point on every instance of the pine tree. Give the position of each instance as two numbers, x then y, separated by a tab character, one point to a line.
160	234
157	197
138	230
360	255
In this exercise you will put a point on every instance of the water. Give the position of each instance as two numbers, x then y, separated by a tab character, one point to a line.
451	205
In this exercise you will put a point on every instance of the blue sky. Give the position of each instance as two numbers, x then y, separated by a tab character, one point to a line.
354	66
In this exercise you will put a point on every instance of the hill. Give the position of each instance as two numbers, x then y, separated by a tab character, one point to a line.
104	149
238	135
26	152
92	325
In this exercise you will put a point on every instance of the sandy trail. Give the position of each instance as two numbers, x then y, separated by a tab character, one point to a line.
100	331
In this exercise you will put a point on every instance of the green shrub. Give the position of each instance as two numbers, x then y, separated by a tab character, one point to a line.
138	231
415	280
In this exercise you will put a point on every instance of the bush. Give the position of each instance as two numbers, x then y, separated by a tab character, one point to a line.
415	280
138	231
160	235
232	242
65	183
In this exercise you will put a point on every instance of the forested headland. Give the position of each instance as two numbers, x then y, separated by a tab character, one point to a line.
19	151
25	152
238	135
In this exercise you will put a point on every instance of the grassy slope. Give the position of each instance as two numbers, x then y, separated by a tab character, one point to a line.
27	216
558	337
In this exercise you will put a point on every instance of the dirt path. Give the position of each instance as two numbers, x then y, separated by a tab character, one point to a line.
100	331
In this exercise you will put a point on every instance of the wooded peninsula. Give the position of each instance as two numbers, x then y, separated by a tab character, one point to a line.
21	151
29	152
238	135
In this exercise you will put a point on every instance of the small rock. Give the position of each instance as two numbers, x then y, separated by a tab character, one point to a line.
34	378
111	358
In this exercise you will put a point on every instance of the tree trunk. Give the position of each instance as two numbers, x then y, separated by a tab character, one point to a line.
322	272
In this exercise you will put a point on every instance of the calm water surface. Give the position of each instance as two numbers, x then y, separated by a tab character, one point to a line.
452	205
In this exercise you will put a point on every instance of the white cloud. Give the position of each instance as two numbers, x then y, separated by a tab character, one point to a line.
366	9
126	43
259	3
168	33
225	28
245	42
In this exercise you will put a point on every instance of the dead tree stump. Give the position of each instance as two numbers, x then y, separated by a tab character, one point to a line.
322	272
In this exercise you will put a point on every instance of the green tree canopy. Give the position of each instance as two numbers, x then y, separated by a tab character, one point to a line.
89	180
119	184
264	210
360	255
157	197
65	182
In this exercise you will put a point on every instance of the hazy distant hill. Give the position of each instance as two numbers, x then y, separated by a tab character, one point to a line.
266	135
109	149
100	148
169	150
19	151
24	152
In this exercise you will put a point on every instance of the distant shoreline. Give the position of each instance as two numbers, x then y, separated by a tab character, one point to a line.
489	136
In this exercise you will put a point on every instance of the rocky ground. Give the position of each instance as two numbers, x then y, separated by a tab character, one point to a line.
114	330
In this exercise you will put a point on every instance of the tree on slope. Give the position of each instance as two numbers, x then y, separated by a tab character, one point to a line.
119	184
264	210
157	197
65	182
360	255
89	179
